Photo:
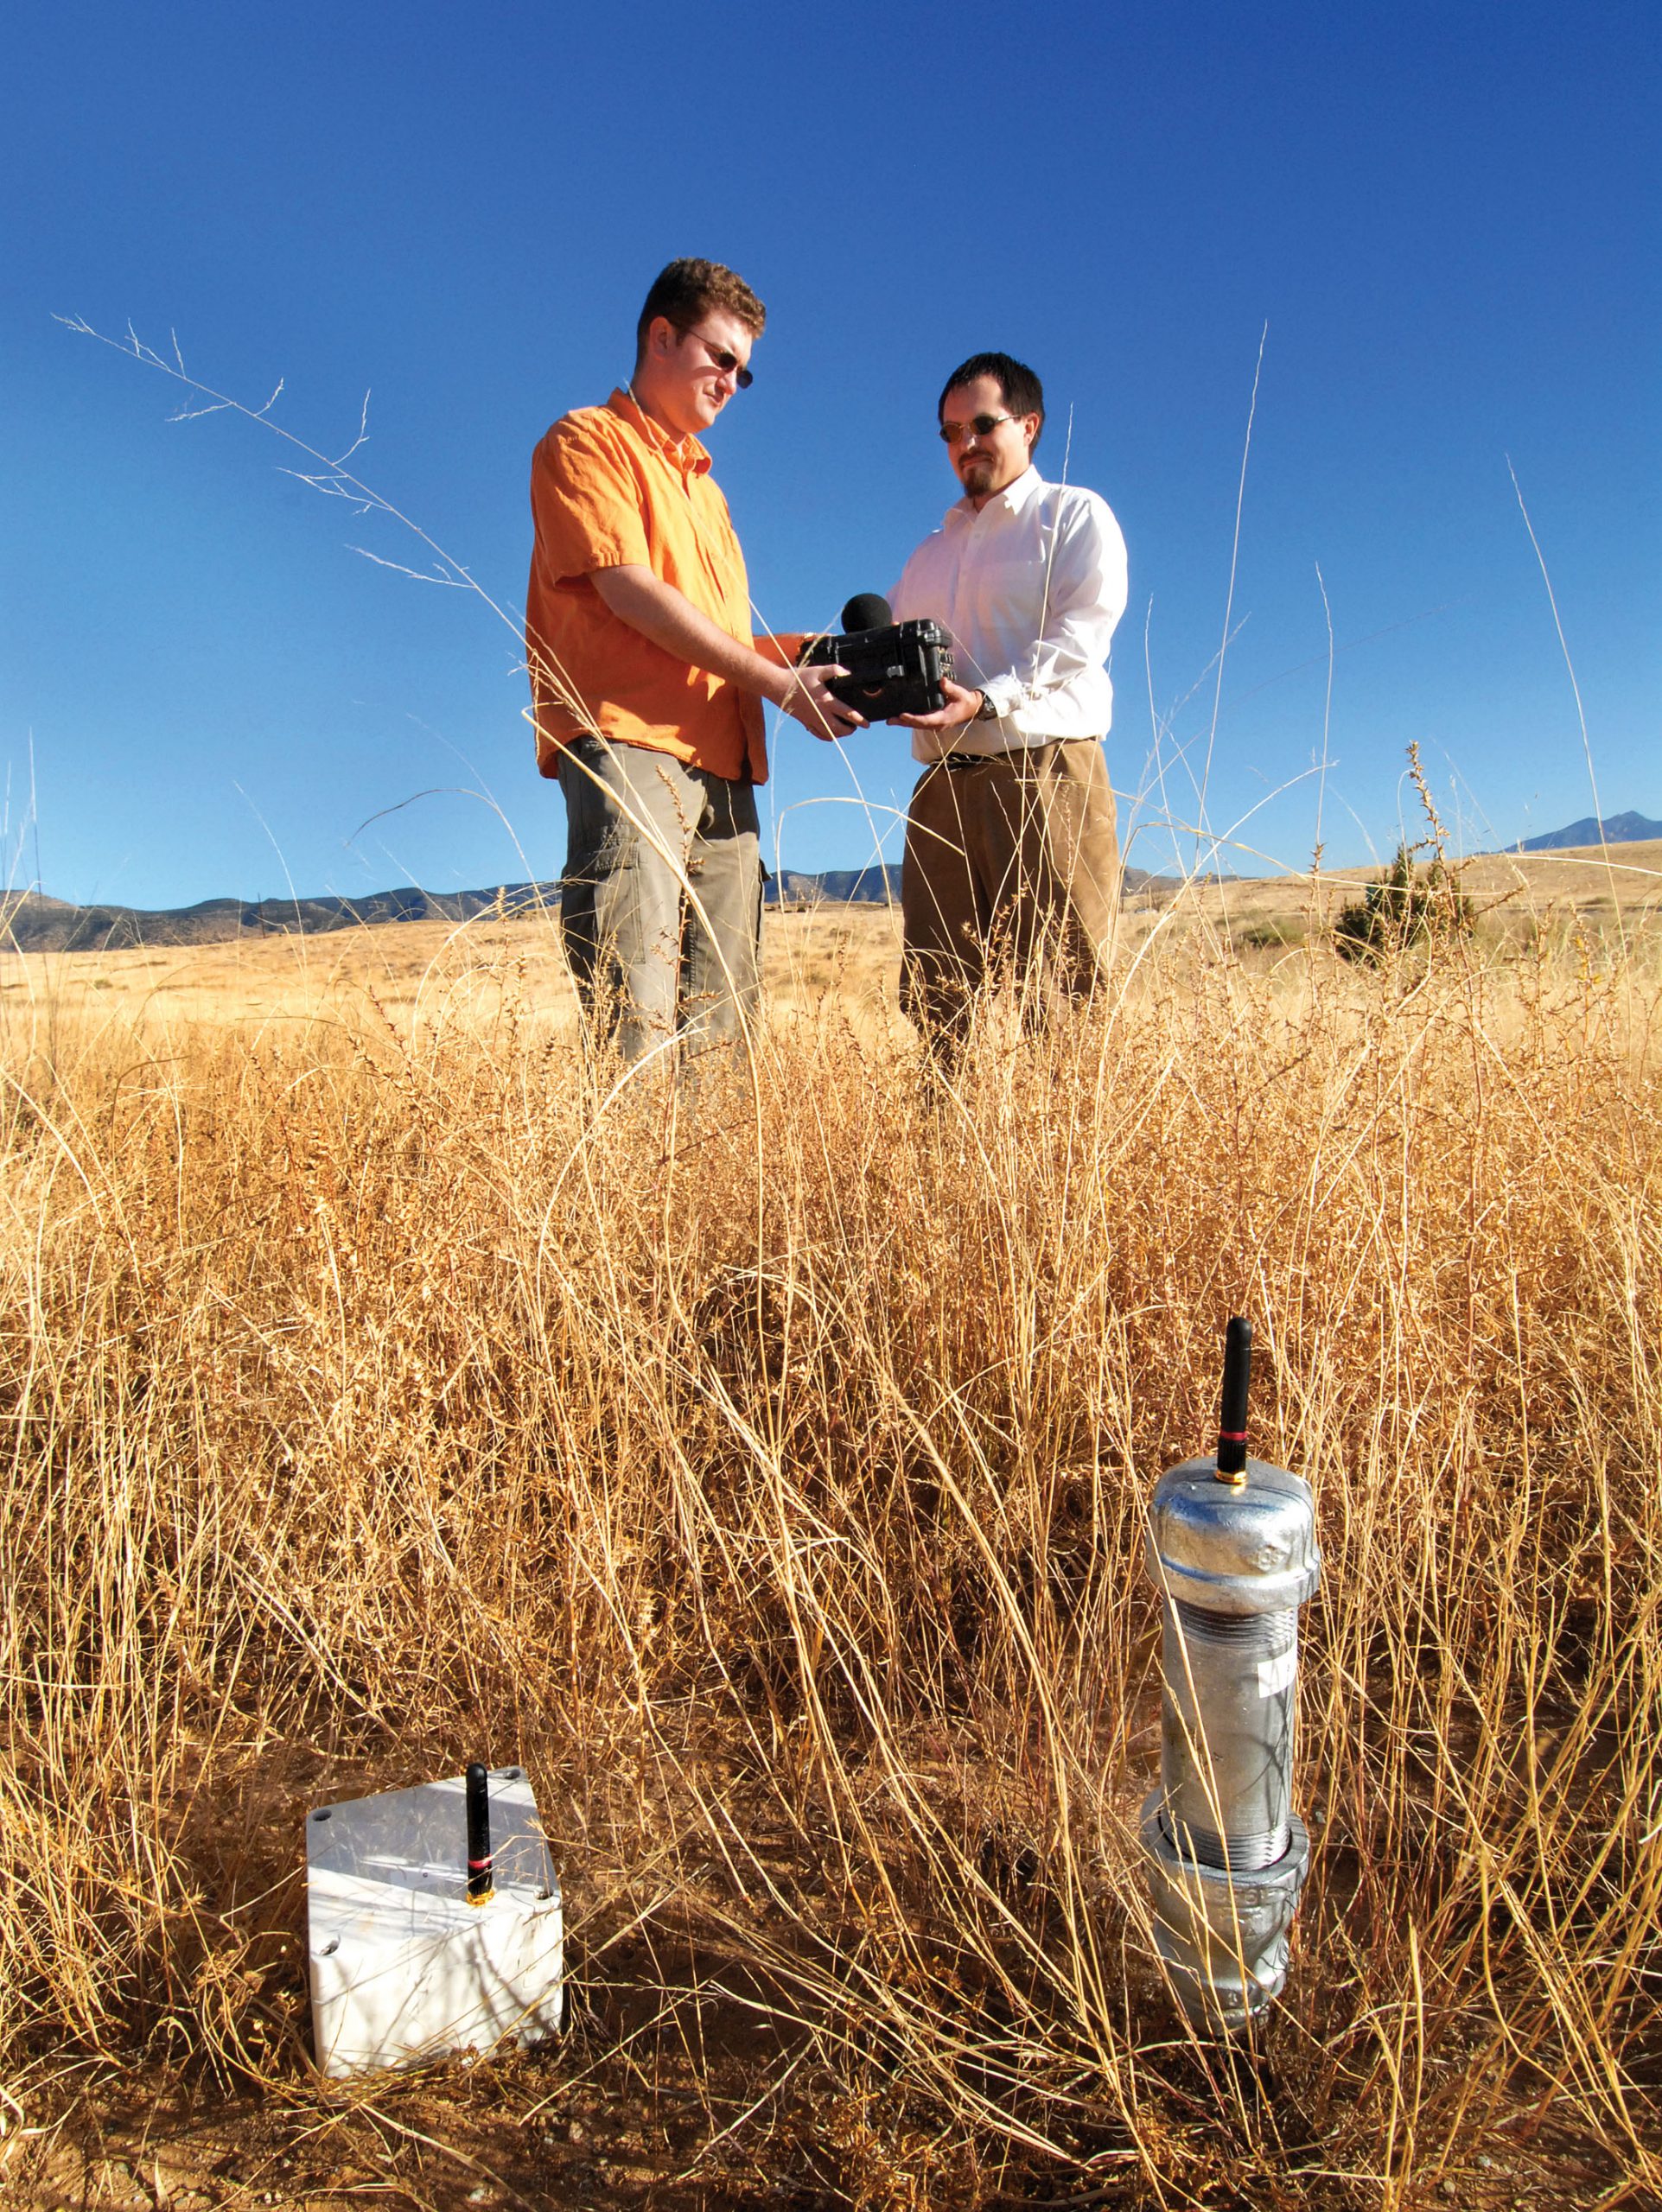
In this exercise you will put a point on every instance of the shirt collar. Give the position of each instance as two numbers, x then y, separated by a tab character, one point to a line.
685	454
1011	500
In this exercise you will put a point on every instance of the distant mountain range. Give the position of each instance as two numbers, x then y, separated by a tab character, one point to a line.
1614	830
32	922
849	886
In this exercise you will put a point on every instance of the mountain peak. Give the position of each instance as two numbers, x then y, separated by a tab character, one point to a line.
1629	829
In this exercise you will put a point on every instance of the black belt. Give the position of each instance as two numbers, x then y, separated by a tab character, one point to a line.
953	762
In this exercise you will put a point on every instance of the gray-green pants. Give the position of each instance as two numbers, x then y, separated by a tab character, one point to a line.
660	904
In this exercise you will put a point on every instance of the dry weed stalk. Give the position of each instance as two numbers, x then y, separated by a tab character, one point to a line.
774	1495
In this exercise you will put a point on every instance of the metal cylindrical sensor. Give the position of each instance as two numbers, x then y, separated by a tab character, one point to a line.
1232	1544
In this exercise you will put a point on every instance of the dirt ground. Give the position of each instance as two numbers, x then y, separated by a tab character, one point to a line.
622	2109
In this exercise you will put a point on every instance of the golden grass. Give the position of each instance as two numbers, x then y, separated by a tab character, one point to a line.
434	972
429	974
380	1393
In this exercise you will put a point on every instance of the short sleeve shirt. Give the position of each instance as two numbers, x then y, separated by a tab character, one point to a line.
611	489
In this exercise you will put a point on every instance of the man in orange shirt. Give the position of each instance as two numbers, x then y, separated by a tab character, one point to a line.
649	685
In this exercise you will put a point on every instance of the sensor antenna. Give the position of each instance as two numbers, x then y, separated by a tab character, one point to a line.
1231	1421
480	1884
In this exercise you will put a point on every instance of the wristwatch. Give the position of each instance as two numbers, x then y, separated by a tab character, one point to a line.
986	712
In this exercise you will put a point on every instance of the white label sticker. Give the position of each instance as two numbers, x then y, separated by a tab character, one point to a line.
1276	1675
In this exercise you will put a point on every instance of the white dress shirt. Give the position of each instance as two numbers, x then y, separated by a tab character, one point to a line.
1029	589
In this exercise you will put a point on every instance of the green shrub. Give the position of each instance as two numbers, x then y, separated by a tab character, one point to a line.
1408	908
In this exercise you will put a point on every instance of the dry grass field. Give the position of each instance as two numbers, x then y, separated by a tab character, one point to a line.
433	974
385	1389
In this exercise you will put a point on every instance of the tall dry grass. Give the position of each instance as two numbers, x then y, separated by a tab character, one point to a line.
377	1398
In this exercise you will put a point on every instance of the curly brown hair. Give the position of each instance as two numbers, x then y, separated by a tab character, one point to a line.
686	290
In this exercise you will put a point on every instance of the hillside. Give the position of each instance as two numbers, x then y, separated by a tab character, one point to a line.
30	921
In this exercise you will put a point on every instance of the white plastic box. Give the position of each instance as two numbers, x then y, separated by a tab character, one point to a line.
403	1968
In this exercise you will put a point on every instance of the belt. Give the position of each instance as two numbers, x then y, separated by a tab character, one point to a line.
954	762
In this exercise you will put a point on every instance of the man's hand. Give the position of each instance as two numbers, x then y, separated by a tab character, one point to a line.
669	619
808	699
961	707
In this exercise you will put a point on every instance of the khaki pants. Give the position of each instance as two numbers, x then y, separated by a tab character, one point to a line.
1010	863
660	904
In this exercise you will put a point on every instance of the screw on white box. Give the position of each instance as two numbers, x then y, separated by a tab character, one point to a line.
404	1964
1230	1542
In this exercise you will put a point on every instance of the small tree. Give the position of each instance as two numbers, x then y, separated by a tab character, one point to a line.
1407	907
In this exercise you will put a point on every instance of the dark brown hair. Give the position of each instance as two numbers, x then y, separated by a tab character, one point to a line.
686	290
1023	393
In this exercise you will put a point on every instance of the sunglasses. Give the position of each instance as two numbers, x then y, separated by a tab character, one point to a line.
981	425
728	363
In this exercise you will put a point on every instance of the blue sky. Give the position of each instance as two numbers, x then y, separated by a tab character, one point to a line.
1446	216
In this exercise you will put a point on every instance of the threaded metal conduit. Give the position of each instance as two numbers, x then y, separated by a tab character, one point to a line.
1263	1651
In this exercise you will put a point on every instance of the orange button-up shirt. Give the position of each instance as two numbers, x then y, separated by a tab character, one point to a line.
611	489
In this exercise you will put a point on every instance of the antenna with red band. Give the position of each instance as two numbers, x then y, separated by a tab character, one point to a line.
480	1885
1231	1421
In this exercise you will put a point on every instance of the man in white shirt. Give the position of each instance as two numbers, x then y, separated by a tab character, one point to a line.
1011	852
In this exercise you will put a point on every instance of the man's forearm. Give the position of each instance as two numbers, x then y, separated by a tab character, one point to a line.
668	619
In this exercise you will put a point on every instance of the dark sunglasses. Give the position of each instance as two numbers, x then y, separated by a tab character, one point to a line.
983	426
728	363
